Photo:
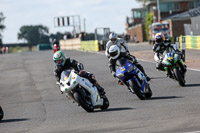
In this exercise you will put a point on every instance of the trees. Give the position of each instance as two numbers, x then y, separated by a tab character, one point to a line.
148	21
2	27
34	34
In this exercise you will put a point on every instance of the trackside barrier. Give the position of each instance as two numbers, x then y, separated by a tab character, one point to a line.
90	45
44	47
191	42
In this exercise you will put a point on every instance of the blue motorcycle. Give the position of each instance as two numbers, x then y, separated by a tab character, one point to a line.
133	78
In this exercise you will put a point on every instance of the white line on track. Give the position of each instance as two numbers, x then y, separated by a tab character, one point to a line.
193	132
100	53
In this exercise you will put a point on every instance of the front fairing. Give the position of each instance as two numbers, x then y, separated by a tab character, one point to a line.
170	59
69	80
127	69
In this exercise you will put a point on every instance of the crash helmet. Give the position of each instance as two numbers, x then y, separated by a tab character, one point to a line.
59	58
159	38
113	37
114	52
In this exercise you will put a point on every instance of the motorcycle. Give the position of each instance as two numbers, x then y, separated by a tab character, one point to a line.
133	78
56	48
1	113
173	63
82	91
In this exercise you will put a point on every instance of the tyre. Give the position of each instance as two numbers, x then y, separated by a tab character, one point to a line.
137	90
149	94
83	104
179	77
1	113
105	103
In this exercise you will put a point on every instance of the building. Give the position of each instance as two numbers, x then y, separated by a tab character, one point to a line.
135	24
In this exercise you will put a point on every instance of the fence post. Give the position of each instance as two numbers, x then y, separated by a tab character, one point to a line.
183	48
177	42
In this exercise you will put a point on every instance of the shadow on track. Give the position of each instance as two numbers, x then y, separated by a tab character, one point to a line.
158	77
13	120
192	85
113	109
164	97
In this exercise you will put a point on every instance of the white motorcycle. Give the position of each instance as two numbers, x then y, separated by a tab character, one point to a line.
82	91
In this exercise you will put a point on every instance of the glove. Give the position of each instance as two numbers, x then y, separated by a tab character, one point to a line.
82	72
113	74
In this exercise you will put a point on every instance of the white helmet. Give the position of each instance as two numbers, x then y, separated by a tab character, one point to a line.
113	36
114	52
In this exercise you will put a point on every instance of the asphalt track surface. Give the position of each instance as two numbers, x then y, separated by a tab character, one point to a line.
32	102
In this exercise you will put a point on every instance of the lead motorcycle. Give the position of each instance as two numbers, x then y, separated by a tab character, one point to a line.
82	91
174	64
133	78
1	113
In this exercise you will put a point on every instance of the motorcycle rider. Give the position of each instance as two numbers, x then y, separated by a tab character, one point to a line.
63	63
56	45
160	47
123	47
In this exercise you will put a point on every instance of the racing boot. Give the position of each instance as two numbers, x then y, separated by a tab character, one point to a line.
94	82
142	69
100	89
169	74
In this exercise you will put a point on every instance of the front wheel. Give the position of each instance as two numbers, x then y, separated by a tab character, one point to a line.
1	113
137	90
83	104
149	93
105	103
179	77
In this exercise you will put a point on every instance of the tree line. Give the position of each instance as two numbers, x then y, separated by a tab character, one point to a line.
33	34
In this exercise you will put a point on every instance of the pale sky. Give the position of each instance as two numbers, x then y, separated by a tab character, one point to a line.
97	13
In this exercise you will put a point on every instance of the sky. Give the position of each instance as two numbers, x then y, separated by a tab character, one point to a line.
97	13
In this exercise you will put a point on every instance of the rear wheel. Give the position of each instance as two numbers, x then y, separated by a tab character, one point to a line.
1	113
179	77
83	104
105	103
137	90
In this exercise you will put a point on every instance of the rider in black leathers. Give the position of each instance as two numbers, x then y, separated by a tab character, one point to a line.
63	63
160	46
126	55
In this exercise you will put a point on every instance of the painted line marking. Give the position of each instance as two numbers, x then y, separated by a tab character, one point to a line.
100	53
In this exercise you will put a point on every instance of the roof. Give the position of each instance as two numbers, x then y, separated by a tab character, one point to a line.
188	14
155	1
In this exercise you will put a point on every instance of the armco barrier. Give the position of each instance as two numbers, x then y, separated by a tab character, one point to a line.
90	45
44	47
191	42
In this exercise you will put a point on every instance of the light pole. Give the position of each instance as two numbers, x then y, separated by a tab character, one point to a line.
158	7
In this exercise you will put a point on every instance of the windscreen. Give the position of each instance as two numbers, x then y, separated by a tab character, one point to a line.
120	62
65	74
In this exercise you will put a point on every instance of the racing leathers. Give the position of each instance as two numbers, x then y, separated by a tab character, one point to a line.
124	52
159	50
78	67
112	63
120	43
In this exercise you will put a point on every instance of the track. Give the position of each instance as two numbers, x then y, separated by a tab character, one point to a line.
32	103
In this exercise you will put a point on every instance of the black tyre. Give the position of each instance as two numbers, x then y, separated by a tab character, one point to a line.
179	77
149	94
1	113
137	90
83	104
105	103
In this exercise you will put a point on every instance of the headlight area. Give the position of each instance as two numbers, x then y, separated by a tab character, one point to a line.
130	69
120	75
